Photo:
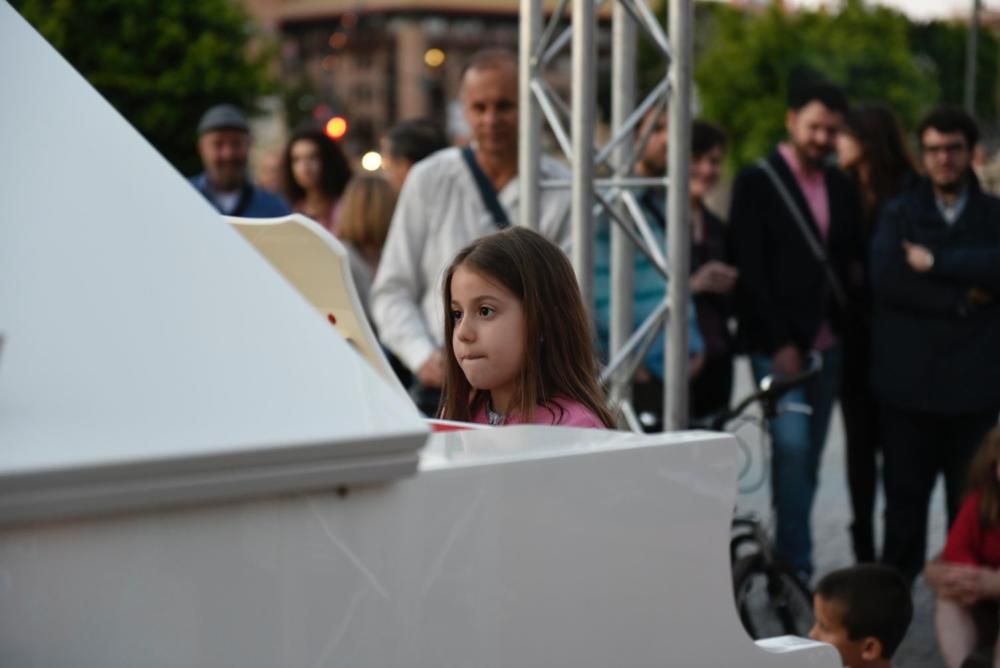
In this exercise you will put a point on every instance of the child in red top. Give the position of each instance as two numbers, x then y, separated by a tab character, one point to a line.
518	344
966	575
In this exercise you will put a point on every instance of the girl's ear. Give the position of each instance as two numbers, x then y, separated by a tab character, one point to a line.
871	649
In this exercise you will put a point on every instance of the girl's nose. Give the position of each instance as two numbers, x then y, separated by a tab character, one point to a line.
464	331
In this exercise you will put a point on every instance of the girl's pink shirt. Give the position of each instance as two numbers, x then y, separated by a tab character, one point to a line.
573	414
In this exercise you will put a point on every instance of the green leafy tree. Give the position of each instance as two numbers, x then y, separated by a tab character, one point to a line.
745	70
161	63
941	47
652	65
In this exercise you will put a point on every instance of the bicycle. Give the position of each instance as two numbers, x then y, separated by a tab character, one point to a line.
770	598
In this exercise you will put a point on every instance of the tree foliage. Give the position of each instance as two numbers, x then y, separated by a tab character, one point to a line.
941	48
161	63
744	72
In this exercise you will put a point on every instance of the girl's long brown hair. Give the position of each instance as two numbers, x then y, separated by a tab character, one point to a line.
559	356
983	478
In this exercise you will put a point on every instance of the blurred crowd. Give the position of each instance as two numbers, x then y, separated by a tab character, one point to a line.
878	252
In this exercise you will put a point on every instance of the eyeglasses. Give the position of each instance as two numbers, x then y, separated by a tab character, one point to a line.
940	149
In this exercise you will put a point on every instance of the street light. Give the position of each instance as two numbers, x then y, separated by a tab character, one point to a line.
371	161
336	127
434	57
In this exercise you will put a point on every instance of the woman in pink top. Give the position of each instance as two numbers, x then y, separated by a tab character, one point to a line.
517	337
315	174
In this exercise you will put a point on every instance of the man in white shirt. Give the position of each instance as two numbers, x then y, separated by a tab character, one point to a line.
441	209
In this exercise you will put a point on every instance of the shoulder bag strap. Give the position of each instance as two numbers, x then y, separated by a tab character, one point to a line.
814	245
486	190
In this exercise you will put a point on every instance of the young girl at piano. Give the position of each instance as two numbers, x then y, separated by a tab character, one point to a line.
517	337
965	578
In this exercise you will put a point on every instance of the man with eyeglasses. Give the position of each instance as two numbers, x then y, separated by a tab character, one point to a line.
936	350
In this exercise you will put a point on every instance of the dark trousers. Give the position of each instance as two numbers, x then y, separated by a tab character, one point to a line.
709	393
647	400
917	447
712	388
862	435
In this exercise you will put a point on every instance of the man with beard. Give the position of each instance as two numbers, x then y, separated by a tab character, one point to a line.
224	144
796	244
936	349
449	199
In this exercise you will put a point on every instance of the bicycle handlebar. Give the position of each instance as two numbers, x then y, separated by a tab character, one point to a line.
778	386
772	388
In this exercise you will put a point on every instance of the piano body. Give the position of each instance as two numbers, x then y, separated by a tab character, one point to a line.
195	471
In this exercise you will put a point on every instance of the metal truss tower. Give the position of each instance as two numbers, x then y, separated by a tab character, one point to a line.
614	191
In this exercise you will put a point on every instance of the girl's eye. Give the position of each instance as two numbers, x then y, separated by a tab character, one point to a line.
456	315
485	311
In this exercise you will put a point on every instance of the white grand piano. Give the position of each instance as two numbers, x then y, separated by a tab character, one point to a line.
195	470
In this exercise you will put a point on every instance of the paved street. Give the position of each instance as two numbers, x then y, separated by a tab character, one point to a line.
831	517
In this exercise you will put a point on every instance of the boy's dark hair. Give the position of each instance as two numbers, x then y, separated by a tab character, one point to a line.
704	137
948	119
875	601
415	139
829	95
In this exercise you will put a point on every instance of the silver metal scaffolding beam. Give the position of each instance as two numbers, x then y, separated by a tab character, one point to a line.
614	192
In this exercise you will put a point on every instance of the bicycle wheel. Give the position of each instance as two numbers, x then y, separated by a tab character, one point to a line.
770	600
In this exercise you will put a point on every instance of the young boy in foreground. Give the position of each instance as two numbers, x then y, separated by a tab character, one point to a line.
864	612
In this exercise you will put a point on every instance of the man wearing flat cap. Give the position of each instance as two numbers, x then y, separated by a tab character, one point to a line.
223	144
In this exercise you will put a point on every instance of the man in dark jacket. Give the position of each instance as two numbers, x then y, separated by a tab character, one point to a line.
794	226
224	145
936	352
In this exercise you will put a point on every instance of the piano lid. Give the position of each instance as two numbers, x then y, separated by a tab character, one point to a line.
145	343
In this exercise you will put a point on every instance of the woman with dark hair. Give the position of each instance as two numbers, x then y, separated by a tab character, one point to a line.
871	149
315	173
712	277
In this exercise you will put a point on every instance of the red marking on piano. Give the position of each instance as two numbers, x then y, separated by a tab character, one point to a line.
437	424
